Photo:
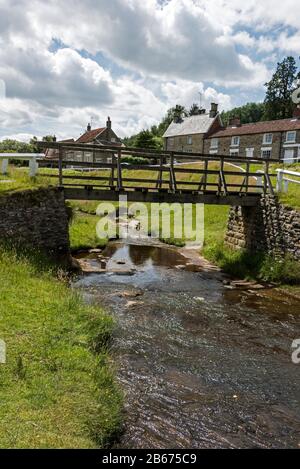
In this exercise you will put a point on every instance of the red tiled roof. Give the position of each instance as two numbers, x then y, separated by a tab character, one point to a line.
89	136
282	125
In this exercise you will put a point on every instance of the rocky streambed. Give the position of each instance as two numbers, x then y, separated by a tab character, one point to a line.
203	362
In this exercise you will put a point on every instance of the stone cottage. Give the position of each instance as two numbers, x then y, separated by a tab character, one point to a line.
279	139
187	134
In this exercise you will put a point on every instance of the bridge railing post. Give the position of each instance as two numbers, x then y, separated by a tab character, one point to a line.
60	166
259	180
119	169
279	181
173	185
4	166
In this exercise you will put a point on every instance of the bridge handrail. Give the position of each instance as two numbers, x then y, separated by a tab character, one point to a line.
283	182
84	147
31	157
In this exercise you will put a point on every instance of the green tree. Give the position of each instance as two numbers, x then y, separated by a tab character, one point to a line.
145	139
279	89
194	110
250	112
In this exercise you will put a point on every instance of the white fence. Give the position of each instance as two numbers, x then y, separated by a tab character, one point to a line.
284	179
31	157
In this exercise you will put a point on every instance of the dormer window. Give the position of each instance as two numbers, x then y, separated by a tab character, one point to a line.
291	137
214	143
268	139
235	141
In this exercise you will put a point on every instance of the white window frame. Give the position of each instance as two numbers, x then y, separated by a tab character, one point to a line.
214	143
266	149
213	152
265	140
189	140
291	132
238	141
234	152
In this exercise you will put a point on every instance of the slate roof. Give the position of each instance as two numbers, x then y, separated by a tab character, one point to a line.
89	136
282	125
190	125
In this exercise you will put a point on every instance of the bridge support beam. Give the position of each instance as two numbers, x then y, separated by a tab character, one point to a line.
268	227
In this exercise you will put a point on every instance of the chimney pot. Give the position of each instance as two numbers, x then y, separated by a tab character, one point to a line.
108	123
235	122
89	127
213	110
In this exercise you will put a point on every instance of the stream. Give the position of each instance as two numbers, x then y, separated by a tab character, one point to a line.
201	365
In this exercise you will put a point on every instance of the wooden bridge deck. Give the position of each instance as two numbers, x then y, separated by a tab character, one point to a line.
169	176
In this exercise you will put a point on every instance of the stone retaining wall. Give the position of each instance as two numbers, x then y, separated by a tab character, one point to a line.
269	227
36	219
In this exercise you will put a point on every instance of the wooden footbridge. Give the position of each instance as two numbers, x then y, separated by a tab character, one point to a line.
94	172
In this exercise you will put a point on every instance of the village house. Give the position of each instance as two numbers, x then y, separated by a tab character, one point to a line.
205	133
279	139
101	136
188	134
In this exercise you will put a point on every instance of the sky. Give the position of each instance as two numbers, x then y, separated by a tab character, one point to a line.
64	63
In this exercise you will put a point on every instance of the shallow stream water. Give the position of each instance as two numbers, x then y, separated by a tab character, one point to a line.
201	366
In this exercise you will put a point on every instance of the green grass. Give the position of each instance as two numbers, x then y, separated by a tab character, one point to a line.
242	264
83	232
56	389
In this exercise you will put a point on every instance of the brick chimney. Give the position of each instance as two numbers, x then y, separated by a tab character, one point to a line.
89	128
296	113
213	110
108	123
235	122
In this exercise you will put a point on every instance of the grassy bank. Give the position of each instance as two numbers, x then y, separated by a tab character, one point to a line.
245	265
56	389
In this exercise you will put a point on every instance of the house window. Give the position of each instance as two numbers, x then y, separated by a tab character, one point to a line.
171	142
266	152
214	143
234	152
291	137
190	140
113	140
235	141
267	139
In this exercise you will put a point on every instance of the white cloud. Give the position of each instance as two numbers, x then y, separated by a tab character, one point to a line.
21	137
169	52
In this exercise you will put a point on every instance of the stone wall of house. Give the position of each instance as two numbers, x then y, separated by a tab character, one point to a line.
36	219
269	227
255	141
181	143
247	141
